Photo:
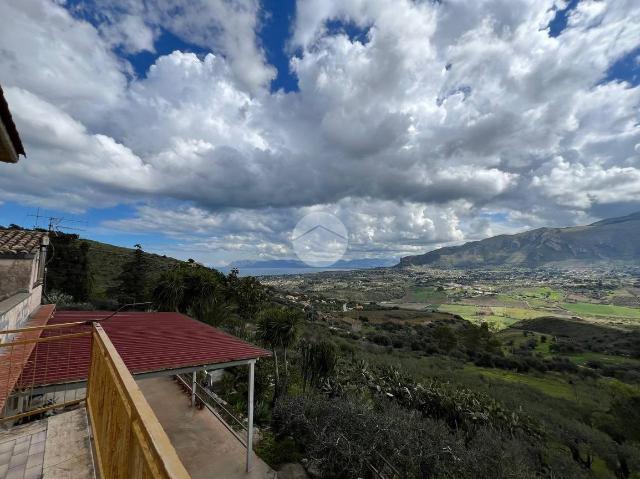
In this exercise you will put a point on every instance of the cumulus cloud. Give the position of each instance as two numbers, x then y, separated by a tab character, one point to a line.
229	28
129	31
437	122
375	228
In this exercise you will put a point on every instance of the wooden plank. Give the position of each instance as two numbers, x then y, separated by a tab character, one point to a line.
46	326
40	410
60	337
96	440
130	439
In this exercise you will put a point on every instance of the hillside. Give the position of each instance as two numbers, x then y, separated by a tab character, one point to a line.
604	241
106	260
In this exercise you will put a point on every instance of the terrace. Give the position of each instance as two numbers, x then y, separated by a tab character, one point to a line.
124	387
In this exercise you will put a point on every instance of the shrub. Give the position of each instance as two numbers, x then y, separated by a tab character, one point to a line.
381	339
346	438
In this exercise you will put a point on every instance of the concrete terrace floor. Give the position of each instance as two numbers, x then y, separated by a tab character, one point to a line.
54	448
205	447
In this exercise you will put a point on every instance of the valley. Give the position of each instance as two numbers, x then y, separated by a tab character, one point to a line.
561	347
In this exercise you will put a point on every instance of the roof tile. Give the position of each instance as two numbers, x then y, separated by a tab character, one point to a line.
21	241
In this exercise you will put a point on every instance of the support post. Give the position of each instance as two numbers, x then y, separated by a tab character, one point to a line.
193	389
250	416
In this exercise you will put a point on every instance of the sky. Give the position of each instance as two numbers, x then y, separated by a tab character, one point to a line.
207	129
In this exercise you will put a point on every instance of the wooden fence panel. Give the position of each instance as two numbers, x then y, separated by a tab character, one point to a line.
129	440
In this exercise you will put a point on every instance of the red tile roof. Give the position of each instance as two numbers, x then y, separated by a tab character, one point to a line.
147	342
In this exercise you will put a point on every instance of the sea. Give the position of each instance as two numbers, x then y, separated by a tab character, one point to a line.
280	271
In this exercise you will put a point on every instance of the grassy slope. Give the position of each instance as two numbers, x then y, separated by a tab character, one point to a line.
106	264
608	310
498	317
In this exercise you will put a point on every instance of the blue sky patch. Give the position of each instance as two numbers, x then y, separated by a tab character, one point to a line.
351	29
559	22
87	224
626	68
277	19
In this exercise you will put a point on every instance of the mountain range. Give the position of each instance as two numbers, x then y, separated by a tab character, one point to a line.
611	240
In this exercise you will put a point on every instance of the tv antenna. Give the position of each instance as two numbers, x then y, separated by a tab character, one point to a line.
57	223
37	216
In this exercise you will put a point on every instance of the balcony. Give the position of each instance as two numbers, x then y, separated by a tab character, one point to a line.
115	424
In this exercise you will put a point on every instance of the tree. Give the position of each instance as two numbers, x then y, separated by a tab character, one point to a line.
194	290
68	268
277	328
132	280
317	361
169	292
247	293
445	337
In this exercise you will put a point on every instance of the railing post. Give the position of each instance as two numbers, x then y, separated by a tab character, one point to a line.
193	389
250	416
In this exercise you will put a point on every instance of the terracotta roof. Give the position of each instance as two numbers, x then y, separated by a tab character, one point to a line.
21	241
147	342
9	126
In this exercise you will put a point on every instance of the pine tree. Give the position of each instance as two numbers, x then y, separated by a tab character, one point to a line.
132	281
68	268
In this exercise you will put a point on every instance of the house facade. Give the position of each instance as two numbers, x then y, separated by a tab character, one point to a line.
23	256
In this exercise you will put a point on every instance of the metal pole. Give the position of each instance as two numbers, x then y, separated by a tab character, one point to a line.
250	416
193	389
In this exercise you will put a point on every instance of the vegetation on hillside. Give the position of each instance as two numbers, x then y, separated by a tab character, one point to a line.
410	393
442	398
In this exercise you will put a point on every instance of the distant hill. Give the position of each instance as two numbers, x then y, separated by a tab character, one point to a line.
608	240
361	263
106	260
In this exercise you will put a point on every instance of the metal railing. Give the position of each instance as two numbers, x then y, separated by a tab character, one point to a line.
214	405
37	370
128	438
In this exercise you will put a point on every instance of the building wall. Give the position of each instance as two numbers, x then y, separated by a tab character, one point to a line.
16	276
15	311
20	291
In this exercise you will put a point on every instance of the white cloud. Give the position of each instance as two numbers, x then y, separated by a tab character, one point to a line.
375	228
229	28
130	32
443	121
44	50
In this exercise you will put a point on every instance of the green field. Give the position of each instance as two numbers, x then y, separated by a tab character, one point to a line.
496	316
425	294
606	310
549	385
605	359
542	292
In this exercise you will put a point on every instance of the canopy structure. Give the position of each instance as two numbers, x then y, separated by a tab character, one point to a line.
149	344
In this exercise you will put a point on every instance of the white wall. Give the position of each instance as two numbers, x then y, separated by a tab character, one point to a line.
15	311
